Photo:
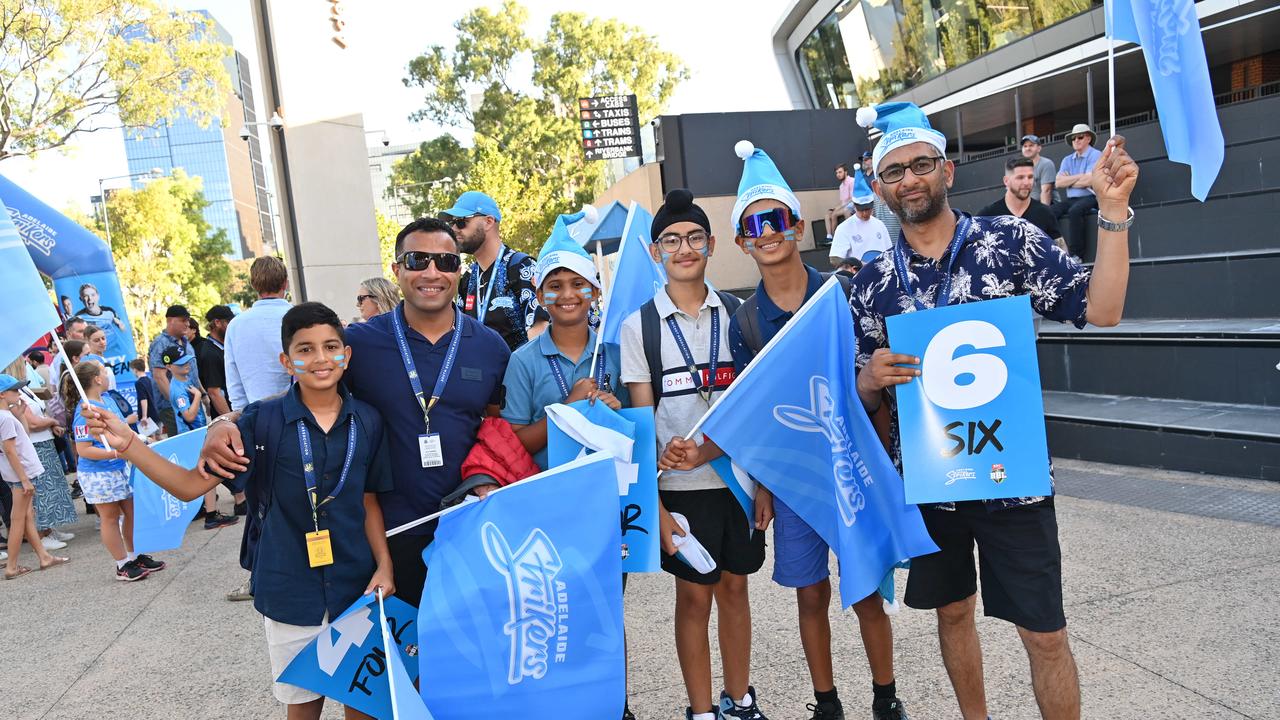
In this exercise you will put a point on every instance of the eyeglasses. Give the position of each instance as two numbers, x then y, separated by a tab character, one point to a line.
416	260
759	224
671	242
361	298
459	223
920	166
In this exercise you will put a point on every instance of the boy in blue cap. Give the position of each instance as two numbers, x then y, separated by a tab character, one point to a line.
187	401
944	257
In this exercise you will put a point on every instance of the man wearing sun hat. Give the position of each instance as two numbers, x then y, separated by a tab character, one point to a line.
1074	181
946	257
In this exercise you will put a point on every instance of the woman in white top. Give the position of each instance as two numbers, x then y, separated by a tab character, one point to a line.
53	494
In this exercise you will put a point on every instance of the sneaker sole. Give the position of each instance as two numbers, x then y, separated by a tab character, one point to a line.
123	578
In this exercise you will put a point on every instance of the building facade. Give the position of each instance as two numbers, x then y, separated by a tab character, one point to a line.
231	169
387	199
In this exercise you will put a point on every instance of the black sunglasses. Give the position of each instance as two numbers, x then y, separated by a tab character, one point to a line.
459	223
416	260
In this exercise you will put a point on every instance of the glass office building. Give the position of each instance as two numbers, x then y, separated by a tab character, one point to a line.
231	169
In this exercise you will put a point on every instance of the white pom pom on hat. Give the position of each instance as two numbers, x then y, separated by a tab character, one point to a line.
743	149
857	166
590	214
866	116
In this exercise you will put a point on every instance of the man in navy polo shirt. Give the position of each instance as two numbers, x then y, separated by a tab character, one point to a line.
426	461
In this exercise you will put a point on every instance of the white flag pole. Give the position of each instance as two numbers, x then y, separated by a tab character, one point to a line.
388	647
84	396
1111	64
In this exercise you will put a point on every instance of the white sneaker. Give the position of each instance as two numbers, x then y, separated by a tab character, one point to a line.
52	543
4	555
62	536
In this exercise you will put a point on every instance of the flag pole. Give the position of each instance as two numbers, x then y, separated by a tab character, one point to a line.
1111	64
388	648
84	396
604	292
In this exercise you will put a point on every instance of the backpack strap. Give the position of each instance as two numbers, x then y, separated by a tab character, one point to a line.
730	301
846	284
749	323
651	339
267	429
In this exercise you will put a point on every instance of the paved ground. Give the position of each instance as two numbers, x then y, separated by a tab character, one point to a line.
1171	615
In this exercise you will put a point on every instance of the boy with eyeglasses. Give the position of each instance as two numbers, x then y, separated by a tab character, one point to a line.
497	288
676	358
767	219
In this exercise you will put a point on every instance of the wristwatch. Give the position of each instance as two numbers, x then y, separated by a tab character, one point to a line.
1106	224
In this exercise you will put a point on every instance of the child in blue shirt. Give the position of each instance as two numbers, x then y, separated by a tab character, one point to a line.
317	459
188	412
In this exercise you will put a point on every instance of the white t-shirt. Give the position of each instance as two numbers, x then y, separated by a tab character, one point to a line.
681	405
856	237
35	407
11	428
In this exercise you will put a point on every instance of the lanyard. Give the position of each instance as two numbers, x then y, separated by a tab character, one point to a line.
309	468
442	379
704	389
900	264
215	342
558	374
474	285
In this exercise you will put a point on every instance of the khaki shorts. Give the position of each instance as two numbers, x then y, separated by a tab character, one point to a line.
284	642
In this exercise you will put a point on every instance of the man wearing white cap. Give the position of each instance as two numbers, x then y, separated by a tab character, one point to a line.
862	236
949	257
1075	178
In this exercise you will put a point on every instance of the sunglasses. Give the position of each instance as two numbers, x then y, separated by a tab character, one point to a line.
361	298
759	224
416	261
459	223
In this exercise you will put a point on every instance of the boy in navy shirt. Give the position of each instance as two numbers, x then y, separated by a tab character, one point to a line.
187	402
315	491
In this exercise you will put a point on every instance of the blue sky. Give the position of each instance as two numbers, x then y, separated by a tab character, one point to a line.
727	45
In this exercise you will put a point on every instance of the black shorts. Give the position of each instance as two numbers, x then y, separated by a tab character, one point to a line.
717	520
1018	554
408	569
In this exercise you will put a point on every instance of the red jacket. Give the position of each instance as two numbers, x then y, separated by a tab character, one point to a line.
499	454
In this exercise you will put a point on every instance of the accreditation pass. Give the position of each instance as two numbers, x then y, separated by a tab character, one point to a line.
429	450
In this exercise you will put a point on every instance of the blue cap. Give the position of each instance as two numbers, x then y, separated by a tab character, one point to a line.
862	194
9	382
474	202
902	123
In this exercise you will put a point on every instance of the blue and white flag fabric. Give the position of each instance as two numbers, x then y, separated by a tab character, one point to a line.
636	279
406	703
348	662
1169	33
794	421
630	437
972	424
160	520
28	310
521	613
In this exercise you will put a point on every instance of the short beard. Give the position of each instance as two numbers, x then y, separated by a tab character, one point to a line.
931	208
469	244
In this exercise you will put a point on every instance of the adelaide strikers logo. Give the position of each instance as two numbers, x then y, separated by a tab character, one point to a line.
539	603
847	466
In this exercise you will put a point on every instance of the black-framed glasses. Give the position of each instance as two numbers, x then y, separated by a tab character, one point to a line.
919	167
361	298
671	242
417	260
459	223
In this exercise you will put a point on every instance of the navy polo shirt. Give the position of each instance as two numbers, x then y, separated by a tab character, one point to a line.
377	376
769	316
285	586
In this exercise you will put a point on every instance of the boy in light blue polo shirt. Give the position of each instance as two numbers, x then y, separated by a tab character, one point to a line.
557	366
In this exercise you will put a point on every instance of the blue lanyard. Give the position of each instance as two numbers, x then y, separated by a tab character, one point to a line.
473	287
704	389
443	378
309	467
558	374
900	264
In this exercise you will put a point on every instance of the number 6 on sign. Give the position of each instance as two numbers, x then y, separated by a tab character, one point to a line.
972	427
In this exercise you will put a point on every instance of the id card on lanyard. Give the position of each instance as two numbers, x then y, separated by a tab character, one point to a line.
558	374
430	450
319	549
944	290
704	389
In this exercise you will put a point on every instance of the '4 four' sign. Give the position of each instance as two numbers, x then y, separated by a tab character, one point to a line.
972	424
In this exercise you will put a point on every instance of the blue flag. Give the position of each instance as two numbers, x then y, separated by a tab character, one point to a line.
1169	34
160	520
972	424
28	311
348	660
521	613
636	279
794	421
406	703
629	435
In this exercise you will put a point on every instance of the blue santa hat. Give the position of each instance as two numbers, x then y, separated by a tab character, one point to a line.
862	194
562	251
760	180
902	123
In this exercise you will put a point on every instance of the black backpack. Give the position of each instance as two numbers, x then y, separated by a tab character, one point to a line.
267	427
749	319
651	336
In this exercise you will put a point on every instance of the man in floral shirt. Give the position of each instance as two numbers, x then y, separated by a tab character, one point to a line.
981	258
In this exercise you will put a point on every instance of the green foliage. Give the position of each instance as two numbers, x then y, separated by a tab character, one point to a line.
67	67
165	251
527	153
387	231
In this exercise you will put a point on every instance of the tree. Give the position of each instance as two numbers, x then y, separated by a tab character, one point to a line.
165	251
527	153
387	231
68	65
420	176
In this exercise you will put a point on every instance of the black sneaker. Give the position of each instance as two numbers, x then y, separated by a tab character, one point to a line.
888	709
131	572
150	564
731	710
826	710
215	520
242	508
76	492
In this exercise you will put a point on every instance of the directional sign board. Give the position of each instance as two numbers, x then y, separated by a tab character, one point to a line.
610	127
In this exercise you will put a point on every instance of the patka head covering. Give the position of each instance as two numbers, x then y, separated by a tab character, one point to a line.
902	123
678	207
